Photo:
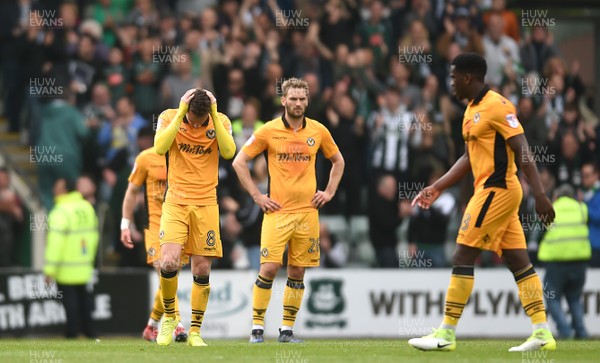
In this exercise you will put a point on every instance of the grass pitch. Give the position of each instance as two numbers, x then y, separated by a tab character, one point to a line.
128	350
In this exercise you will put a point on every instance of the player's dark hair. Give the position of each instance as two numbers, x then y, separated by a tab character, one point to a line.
471	63
200	103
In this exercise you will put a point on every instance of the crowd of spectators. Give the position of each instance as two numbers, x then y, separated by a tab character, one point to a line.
378	76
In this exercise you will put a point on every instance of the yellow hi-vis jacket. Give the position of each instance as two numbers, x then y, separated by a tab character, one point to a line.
72	240
568	239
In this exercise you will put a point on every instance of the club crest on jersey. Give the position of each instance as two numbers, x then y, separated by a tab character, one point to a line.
211	134
512	120
161	234
310	141
264	252
151	252
476	118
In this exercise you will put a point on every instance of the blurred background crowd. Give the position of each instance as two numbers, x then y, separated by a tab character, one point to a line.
86	80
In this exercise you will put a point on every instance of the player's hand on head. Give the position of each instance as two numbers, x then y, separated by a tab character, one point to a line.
426	197
320	199
187	96
544	209
267	204
212	97
126	238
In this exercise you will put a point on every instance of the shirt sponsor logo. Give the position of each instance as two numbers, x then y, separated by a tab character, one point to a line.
293	157
194	149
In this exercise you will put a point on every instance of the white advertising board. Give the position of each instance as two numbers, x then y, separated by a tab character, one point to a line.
374	303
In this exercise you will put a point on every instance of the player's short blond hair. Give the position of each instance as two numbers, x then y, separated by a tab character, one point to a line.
293	83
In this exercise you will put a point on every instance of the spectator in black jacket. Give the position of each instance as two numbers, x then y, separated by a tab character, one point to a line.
384	219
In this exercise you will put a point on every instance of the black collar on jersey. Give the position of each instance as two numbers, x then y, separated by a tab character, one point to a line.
481	94
287	125
185	120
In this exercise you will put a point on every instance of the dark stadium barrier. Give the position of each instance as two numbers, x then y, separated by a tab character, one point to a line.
29	307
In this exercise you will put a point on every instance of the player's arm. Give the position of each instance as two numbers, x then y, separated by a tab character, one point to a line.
165	136
428	195
224	136
240	165
335	176
458	171
128	207
526	162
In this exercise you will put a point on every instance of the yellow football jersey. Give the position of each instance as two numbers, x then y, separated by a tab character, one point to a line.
291	160
192	161
490	120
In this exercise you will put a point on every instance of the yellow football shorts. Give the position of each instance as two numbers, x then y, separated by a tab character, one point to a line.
298	231
194	227
491	221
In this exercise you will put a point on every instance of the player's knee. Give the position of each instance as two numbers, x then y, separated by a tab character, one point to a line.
169	257
465	255
296	272
460	259
168	265
269	270
201	270
201	265
516	263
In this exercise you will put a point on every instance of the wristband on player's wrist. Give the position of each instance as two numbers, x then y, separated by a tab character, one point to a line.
125	223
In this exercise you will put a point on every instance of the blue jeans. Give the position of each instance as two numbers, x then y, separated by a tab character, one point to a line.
434	255
566	278
254	257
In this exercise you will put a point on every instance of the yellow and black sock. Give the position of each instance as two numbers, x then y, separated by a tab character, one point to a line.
168	287
158	309
459	290
531	294
261	295
177	314
200	294
292	299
